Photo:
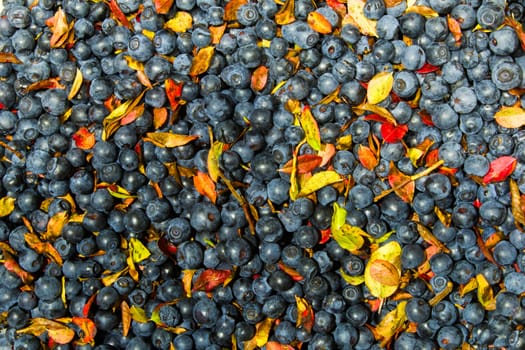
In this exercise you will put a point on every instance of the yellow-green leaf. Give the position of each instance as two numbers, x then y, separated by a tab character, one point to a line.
389	253
168	139
379	87
485	293
338	217
353	280
138	314
318	181
510	117
356	17
213	160
311	129
391	324
181	22
201	61
349	237
139	252
7	205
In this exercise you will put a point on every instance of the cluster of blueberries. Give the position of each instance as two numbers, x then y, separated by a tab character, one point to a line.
455	64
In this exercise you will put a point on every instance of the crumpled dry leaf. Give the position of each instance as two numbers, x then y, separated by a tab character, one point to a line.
201	61
168	139
356	17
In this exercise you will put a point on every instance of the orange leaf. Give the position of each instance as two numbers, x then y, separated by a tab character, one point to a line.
51	83
259	78
8	57
402	184
273	345
500	169
11	265
89	330
168	139
367	157
327	153
132	115
305	314
230	9
59	27
454	27
173	92
40	247
58	332
296	276
319	23
61	336
428	236
286	15
205	186
392	3
201	61
384	272
163	6
217	32
55	225
516	201
160	116
518	28
126	317
117	12
187	277
84	139
339	7
306	163
209	279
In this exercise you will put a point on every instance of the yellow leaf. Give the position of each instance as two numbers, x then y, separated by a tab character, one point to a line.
384	272
138	314
138	251
311	129
181	22
510	117
422	10
391	324
55	225
59	332
108	280
485	293
344	142
7	205
379	87
471	285
168	139
77	83
391	253
338	217
285	15
119	192
201	61
318	181
112	122
353	280
442	294
133	63
357	17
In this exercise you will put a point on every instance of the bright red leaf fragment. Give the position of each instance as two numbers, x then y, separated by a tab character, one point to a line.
500	169
84	139
173	92
392	133
209	279
427	68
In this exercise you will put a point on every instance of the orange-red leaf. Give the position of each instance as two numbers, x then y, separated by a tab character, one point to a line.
367	157
454	27
327	153
11	265
305	314
403	186
117	12
40	247
89	303
205	186
209	279
319	23
173	92
89	330
259	78
84	139
160	116
427	68
293	273
8	57
273	345
163	6
230	9
306	163
500	169
339	7
392	133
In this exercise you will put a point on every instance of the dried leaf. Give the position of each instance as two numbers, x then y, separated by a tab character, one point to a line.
455	28
55	225
286	15
389	253
384	272
89	303
319	23
485	293
367	157
59	27
518	29
216	33
84	139
273	345
230	9
160	116
259	78
112	122
10	264
428	236
119	15
88	329
51	83
422	10
318	181
356	17
209	279
133	115
126	317
305	314
7	205
510	117
180	23
187	277
380	111
77	84
402	184
344	142
40	247
392	133
58	332
391	323
327	152
427	68
293	273
202	61
517	210
306	163
108	280
173	92
500	169
168	139
205	186
442	294
9	57
139	252
134	64
163	6
392	3
379	87
338	6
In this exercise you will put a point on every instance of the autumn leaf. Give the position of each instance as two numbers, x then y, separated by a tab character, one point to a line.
357	18
422	10
58	332
84	139
205	186
7	205
9	57
160	116
319	23
77	84
126	317
273	345
34	242
305	314
168	139
202	61
347	236
318	181
209	279
380	111
311	129
163	6
139	252
392	133
187	278
428	236
390	324
500	169
230	9
427	68
510	117
485	293
119	15
59	27
390	254
259	78
454	28
293	273
379	87
516	202
87	327
367	157
180	23
138	314
401	183
112	122
10	264
518	29
306	163
217	32
326	153
51	83
392	3
353	280
133	115
286	15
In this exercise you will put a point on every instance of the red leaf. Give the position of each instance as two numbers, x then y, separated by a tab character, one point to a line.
427	68
209	279
500	169
392	133
305	163
87	307
121	17
84	139
426	118
325	235
173	92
